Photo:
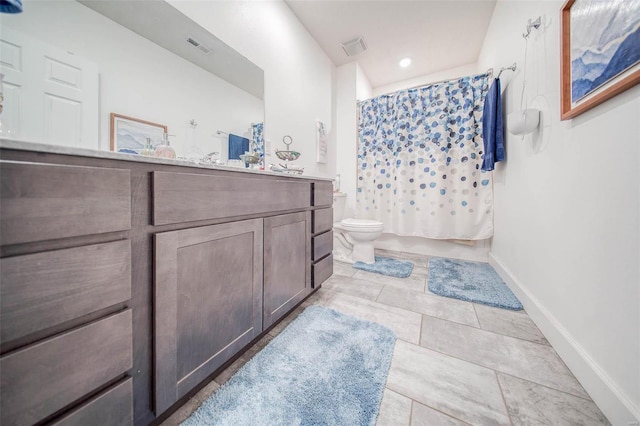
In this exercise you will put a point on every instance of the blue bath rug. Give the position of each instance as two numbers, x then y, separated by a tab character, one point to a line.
471	281
325	368
387	266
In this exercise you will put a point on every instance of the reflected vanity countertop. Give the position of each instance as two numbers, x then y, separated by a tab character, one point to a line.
83	152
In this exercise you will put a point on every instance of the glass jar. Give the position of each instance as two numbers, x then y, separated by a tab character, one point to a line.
164	150
148	149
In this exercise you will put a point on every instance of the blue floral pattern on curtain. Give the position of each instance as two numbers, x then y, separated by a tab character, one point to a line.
257	139
419	158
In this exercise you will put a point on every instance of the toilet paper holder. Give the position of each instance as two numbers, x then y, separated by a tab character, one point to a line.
523	121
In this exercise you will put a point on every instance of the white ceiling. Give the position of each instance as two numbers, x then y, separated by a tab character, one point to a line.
436	34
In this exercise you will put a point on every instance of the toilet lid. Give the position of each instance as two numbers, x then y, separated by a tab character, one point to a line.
362	223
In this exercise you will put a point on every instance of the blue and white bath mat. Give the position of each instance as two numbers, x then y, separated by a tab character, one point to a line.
471	281
387	266
325	368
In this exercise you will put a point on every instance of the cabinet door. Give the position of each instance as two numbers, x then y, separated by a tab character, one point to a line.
287	258
208	302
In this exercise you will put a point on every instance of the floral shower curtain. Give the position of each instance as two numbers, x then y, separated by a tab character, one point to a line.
257	139
419	158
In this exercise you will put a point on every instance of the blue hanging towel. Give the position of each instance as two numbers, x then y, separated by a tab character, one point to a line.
10	6
237	146
492	130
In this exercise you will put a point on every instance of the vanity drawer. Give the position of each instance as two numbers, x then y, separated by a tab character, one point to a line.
42	290
322	220
184	197
321	271
322	245
47	201
322	193
112	407
45	377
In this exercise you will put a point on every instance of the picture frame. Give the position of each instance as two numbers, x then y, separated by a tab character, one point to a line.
321	142
128	134
599	57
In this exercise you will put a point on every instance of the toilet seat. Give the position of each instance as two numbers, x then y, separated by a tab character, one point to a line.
362	224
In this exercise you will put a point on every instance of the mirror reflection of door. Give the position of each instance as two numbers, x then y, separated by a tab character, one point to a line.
145	72
50	96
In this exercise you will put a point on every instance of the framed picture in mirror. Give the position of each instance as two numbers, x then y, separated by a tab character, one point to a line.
129	134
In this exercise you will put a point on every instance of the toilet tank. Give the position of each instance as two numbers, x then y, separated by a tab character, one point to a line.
339	202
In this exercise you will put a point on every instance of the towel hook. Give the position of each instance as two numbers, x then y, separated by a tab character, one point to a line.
535	25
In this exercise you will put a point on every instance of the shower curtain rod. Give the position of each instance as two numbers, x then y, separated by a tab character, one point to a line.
512	67
489	71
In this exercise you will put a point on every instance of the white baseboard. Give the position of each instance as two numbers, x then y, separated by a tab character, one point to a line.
618	408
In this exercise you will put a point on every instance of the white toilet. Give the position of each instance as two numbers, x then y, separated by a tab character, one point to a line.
353	238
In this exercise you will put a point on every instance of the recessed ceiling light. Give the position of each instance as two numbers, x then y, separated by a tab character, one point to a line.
405	62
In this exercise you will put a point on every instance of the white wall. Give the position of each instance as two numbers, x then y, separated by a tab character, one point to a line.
352	85
140	79
456	72
363	86
299	77
567	209
347	133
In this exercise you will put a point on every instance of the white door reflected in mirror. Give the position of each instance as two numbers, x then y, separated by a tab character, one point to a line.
145	69
50	96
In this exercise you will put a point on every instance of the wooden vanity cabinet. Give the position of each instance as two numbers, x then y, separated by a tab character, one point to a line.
126	284
208	302
287	279
66	325
322	236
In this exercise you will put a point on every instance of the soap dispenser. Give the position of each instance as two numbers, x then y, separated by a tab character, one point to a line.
148	149
164	150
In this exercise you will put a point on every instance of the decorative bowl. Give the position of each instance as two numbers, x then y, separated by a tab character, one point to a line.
250	158
288	155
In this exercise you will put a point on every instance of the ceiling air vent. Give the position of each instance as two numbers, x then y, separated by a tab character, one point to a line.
201	47
354	47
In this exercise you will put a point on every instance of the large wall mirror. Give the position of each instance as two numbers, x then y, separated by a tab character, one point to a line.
70	66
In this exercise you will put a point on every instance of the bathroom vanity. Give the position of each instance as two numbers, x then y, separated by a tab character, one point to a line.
127	283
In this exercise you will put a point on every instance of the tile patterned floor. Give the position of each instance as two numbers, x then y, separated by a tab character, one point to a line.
455	362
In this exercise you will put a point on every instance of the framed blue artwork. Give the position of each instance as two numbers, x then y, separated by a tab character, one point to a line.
600	52
130	134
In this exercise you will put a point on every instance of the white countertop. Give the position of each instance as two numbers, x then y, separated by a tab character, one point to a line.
92	153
